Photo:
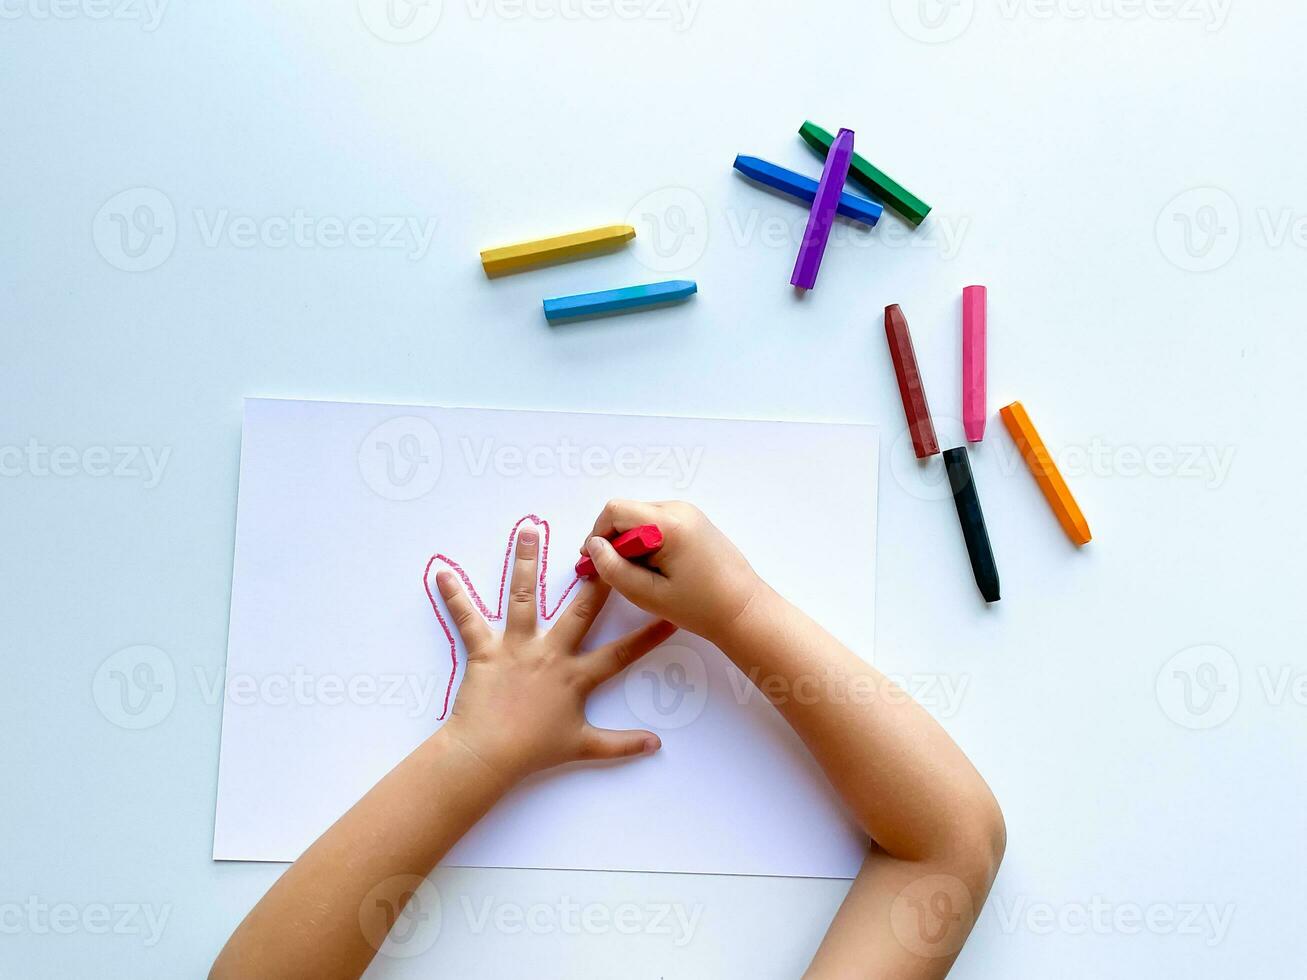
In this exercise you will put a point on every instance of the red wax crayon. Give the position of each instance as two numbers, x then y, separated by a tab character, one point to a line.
911	389
635	543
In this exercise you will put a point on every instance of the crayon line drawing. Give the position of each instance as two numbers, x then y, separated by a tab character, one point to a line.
542	592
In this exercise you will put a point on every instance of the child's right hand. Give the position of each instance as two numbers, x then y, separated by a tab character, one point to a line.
698	579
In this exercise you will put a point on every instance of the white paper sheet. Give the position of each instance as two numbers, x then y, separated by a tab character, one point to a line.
337	666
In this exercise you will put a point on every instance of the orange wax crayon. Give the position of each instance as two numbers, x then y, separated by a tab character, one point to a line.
1045	472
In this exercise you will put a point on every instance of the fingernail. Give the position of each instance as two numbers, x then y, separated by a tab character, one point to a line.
652	745
528	537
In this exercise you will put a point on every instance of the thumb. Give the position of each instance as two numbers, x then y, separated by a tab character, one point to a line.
629	579
605	743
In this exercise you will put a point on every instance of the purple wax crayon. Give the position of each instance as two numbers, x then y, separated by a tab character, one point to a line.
822	215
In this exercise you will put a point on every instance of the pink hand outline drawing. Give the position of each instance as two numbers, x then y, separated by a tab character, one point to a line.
492	617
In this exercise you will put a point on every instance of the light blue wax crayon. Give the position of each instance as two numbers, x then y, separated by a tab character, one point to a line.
622	300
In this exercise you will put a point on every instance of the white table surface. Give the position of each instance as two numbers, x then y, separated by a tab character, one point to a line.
1068	148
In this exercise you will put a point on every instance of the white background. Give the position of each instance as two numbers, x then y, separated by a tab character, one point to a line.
1065	152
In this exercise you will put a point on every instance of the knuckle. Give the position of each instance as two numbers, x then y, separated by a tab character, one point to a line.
623	653
583	609
522	594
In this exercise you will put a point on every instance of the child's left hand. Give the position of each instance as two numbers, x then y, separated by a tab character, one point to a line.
521	706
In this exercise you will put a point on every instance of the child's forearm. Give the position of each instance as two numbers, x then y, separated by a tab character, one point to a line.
520	710
905	781
315	922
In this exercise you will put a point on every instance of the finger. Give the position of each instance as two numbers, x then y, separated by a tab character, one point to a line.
636	582
622	515
521	619
604	743
470	625
613	658
576	620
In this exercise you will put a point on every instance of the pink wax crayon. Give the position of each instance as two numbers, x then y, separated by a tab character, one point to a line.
974	316
822	215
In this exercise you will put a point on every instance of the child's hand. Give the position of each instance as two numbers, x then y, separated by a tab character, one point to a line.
521	707
697	579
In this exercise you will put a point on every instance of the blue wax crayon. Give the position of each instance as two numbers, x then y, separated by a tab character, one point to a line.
861	209
619	300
